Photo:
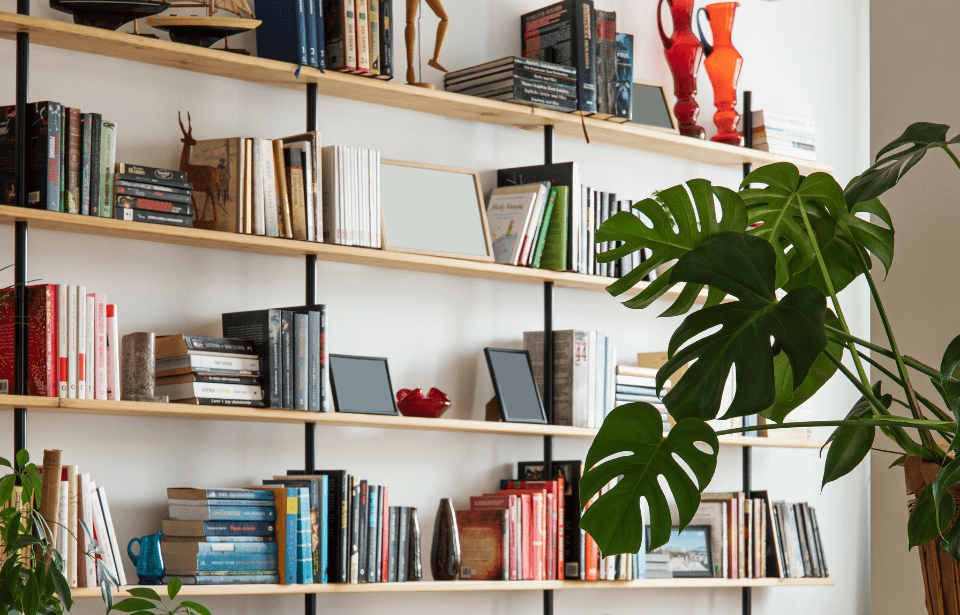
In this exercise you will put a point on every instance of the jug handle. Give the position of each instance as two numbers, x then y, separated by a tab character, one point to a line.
707	47
667	43
133	558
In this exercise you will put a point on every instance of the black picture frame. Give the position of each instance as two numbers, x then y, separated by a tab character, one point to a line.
502	386
384	407
677	549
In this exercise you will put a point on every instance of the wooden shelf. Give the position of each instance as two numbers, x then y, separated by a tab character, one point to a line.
471	586
266	415
63	35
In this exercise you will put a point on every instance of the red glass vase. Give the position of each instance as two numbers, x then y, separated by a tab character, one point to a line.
723	64
683	52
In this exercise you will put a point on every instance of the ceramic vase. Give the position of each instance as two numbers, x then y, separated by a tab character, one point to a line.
723	64
683	52
445	552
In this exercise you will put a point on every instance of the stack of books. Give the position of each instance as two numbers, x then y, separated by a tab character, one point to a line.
209	371
158	196
289	346
639	384
657	566
784	134
518	80
225	536
73	348
70	159
351	196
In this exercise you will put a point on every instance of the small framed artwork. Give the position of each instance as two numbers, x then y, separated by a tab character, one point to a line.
361	385
651	107
689	551
517	393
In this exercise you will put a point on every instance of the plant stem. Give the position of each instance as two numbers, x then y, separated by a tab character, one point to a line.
943	416
877	422
955	161
907	359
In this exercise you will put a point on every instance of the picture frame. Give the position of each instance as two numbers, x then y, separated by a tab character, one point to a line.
362	385
690	551
517	393
651	107
434	210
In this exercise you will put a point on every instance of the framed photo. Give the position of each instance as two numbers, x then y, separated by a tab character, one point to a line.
689	551
652	108
432	209
361	385
517	393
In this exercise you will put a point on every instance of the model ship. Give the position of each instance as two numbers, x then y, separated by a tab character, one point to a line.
205	30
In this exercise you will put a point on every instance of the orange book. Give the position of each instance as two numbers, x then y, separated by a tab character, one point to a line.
591	557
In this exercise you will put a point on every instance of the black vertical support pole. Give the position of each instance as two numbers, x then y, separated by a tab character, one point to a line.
747	592
20	232
548	364
310	429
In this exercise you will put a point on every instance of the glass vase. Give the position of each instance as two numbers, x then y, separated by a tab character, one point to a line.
723	63
683	52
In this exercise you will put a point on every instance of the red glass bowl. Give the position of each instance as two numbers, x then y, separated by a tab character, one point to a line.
414	403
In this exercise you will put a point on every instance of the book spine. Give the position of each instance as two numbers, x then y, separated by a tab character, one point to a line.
72	352
386	39
291	552
170	207
72	165
373	495
301	363
585	54
70	555
304	538
364	525
354	529
363	36
108	157
63	346
325	561
135	172
96	130
223	513
312	6
86	127
235	579
383	527
152	217
623	102
314	370
286	342
100	533
129	189
394	521
239	562
50	130
304	59
113	353
403	543
112	536
91	342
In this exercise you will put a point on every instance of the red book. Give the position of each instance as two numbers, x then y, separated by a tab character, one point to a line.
481	544
533	525
41	341
385	568
554	522
591	558
501	501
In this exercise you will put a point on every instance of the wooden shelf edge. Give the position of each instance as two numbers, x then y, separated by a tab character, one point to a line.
267	415
471	586
68	36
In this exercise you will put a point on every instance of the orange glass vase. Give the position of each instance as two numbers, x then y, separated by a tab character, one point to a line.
723	64
683	52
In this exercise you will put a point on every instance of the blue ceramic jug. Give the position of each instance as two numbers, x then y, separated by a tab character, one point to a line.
149	562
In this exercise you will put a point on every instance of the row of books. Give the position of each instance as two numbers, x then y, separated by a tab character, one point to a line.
573	33
289	345
73	343
784	134
195	369
752	537
352	36
351	196
70	159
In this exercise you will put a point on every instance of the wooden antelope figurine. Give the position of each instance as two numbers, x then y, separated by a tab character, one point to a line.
204	178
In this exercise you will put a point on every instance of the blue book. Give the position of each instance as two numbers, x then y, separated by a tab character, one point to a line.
372	513
304	538
223	513
200	547
261	503
324	526
282	35
184	493
293	512
189	564
321	38
635	390
226	579
311	8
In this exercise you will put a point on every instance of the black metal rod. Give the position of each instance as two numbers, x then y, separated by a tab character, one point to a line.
746	595
311	107
310	604
746	598
548	144
310	429
548	602
20	232
747	126
548	376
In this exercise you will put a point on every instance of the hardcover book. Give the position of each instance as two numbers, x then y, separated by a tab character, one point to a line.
262	327
168	346
482	548
623	82
508	214
226	155
43	155
606	45
153	217
386	39
282	34
108	158
340	34
42	345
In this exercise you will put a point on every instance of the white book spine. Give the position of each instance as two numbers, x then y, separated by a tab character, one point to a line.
591	379
72	356
63	510
63	345
87	574
113	354
259	224
90	356
308	193
100	346
378	203
188	390
271	221
81	307
100	530
318	184
70	557
113	543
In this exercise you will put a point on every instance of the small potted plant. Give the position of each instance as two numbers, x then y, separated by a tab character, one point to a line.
780	253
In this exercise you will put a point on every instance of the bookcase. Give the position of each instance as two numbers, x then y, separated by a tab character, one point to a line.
332	277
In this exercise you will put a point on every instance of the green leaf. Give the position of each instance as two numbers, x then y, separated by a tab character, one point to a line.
62	586
173	587
22	457
6	487
922	525
887	170
951	541
743	266
863	408
899	461
614	521
23	541
129	605
5	462
851	443
943	500
949	386
776	209
199	608
144	592
788	397
696	222
31	596
105	591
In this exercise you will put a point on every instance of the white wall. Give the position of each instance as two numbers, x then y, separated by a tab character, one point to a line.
804	58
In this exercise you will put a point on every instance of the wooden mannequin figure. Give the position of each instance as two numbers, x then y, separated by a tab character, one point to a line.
410	34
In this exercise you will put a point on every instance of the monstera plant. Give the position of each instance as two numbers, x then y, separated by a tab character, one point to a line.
773	259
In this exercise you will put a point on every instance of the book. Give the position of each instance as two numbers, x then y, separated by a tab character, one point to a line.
354	545
209	363
606	68
294	180
482	546
262	327
236	561
534	218
363	37
286	555
315	496
340	35
209	389
201	495
169	207
44	140
623	81
309	144
86	146
403	544
508	215
239	579
222	513
386	39
153	217
311	8
569	472
372	535
211	378
554	517
570	372
73	150
42	342
111	542
394	527
373	27
169	346
363	526
131	189
108	158
282	35
226	155
337	521
510	65
202	546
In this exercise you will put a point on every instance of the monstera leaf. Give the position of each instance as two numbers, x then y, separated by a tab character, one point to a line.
887	170
743	266
615	521
776	209
696	222
949	386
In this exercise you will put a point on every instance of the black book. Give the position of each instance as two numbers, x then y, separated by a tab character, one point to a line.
565	33
623	85
146	204
134	183
338	523
363	523
262	327
125	172
354	529
216	401
152	217
772	560
392	545
317	356
373	507
570	471
558	174
211	378
403	543
802	536
286	359
301	360
148	192
386	39
313	485
811	542
816	536
593	211
44	159
96	140
524	67
380	494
